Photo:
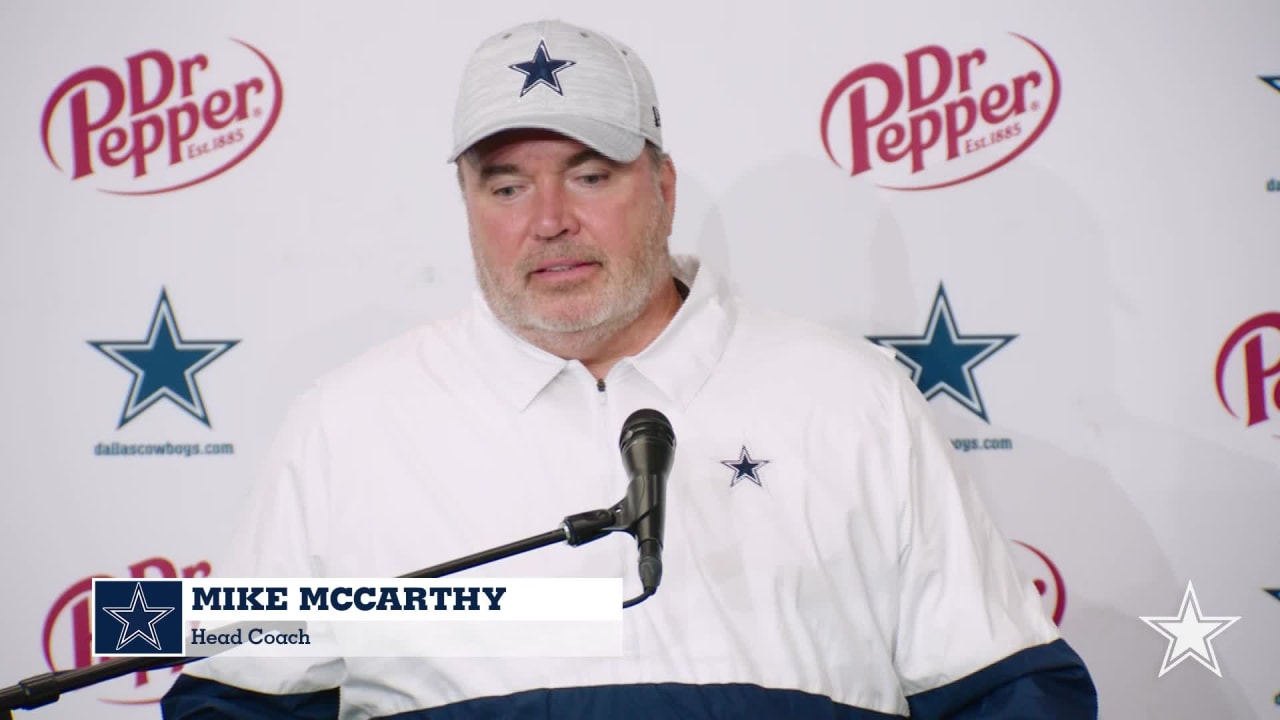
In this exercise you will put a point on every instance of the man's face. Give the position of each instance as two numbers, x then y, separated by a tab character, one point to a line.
566	240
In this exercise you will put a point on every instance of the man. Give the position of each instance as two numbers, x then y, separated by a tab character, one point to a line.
823	558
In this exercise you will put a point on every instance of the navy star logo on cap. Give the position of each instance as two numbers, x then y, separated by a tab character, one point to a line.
138	619
745	468
541	70
164	365
941	359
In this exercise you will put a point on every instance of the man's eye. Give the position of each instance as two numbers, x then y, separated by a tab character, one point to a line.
504	191
594	178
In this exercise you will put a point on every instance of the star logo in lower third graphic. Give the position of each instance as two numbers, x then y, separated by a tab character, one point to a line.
1272	80
1190	634
164	365
942	359
541	70
744	468
138	619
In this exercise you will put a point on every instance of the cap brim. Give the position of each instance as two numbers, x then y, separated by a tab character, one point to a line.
609	140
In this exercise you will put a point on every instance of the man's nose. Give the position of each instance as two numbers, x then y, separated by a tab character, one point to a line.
554	212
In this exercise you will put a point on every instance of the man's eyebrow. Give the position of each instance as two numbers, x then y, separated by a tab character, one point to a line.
489	171
587	156
579	158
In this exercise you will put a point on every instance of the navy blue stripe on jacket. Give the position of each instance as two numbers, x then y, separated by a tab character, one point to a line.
672	701
1046	681
193	698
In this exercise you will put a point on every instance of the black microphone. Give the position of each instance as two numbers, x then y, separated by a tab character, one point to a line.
648	447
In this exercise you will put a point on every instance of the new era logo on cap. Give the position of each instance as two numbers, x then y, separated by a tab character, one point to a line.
137	617
606	101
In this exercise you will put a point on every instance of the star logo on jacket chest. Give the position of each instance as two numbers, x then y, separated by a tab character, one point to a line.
745	468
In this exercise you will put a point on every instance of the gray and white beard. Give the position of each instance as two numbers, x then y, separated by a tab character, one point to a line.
626	292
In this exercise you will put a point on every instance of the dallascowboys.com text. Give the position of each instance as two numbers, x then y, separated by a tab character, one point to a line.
119	449
971	444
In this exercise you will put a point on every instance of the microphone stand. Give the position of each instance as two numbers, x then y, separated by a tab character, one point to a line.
575	530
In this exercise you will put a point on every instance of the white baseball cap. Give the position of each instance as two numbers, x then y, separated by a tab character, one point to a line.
555	76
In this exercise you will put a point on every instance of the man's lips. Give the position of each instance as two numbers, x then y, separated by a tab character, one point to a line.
563	266
560	272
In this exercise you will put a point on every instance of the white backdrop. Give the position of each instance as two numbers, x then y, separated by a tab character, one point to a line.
1122	246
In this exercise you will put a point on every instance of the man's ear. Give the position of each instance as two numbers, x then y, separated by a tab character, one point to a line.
667	186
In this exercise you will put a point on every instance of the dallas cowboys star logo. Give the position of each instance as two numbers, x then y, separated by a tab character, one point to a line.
164	365
541	70
1190	634
1272	80
744	468
942	360
138	620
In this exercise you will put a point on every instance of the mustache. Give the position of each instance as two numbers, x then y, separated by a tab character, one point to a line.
572	252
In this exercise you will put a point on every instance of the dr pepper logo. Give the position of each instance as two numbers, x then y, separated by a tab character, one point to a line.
159	121
939	116
1247	372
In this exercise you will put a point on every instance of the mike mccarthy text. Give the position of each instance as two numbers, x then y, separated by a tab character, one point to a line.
347	598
